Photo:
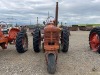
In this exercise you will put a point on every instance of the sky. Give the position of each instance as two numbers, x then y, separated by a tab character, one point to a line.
70	11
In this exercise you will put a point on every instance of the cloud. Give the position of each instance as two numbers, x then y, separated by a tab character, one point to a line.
70	11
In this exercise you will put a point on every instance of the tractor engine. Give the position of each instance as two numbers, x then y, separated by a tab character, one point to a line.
51	37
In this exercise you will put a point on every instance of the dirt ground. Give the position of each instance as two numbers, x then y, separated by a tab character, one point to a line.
79	60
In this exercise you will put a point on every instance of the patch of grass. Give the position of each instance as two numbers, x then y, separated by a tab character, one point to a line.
89	24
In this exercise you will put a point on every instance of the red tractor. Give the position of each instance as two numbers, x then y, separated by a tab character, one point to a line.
94	39
53	40
15	36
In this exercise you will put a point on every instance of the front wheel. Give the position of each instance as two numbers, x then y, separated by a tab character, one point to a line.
51	65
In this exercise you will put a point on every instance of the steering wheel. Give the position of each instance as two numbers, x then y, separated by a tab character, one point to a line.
50	18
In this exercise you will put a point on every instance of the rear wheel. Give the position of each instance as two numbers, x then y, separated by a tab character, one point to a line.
37	40
94	39
21	42
64	40
51	65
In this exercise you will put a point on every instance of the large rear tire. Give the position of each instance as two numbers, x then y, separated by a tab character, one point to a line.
37	40
64	40
94	39
51	65
21	42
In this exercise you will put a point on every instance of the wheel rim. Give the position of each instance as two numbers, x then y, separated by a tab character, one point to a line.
94	41
24	43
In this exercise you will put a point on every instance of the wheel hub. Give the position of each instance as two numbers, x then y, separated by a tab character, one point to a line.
24	42
94	41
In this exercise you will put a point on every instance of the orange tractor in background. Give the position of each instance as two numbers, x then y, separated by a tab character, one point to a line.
53	40
15	36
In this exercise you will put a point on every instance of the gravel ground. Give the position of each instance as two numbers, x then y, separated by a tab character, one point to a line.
79	60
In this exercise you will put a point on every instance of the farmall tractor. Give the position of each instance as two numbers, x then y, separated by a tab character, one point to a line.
16	37
94	39
52	41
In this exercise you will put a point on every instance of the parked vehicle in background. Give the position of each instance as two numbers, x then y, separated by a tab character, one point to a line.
5	30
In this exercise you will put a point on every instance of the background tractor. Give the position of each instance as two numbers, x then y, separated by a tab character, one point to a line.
4	27
94	39
15	36
53	40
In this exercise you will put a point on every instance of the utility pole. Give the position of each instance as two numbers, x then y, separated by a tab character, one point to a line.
37	20
48	14
30	22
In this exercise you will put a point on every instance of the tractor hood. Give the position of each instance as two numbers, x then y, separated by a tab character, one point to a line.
51	27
